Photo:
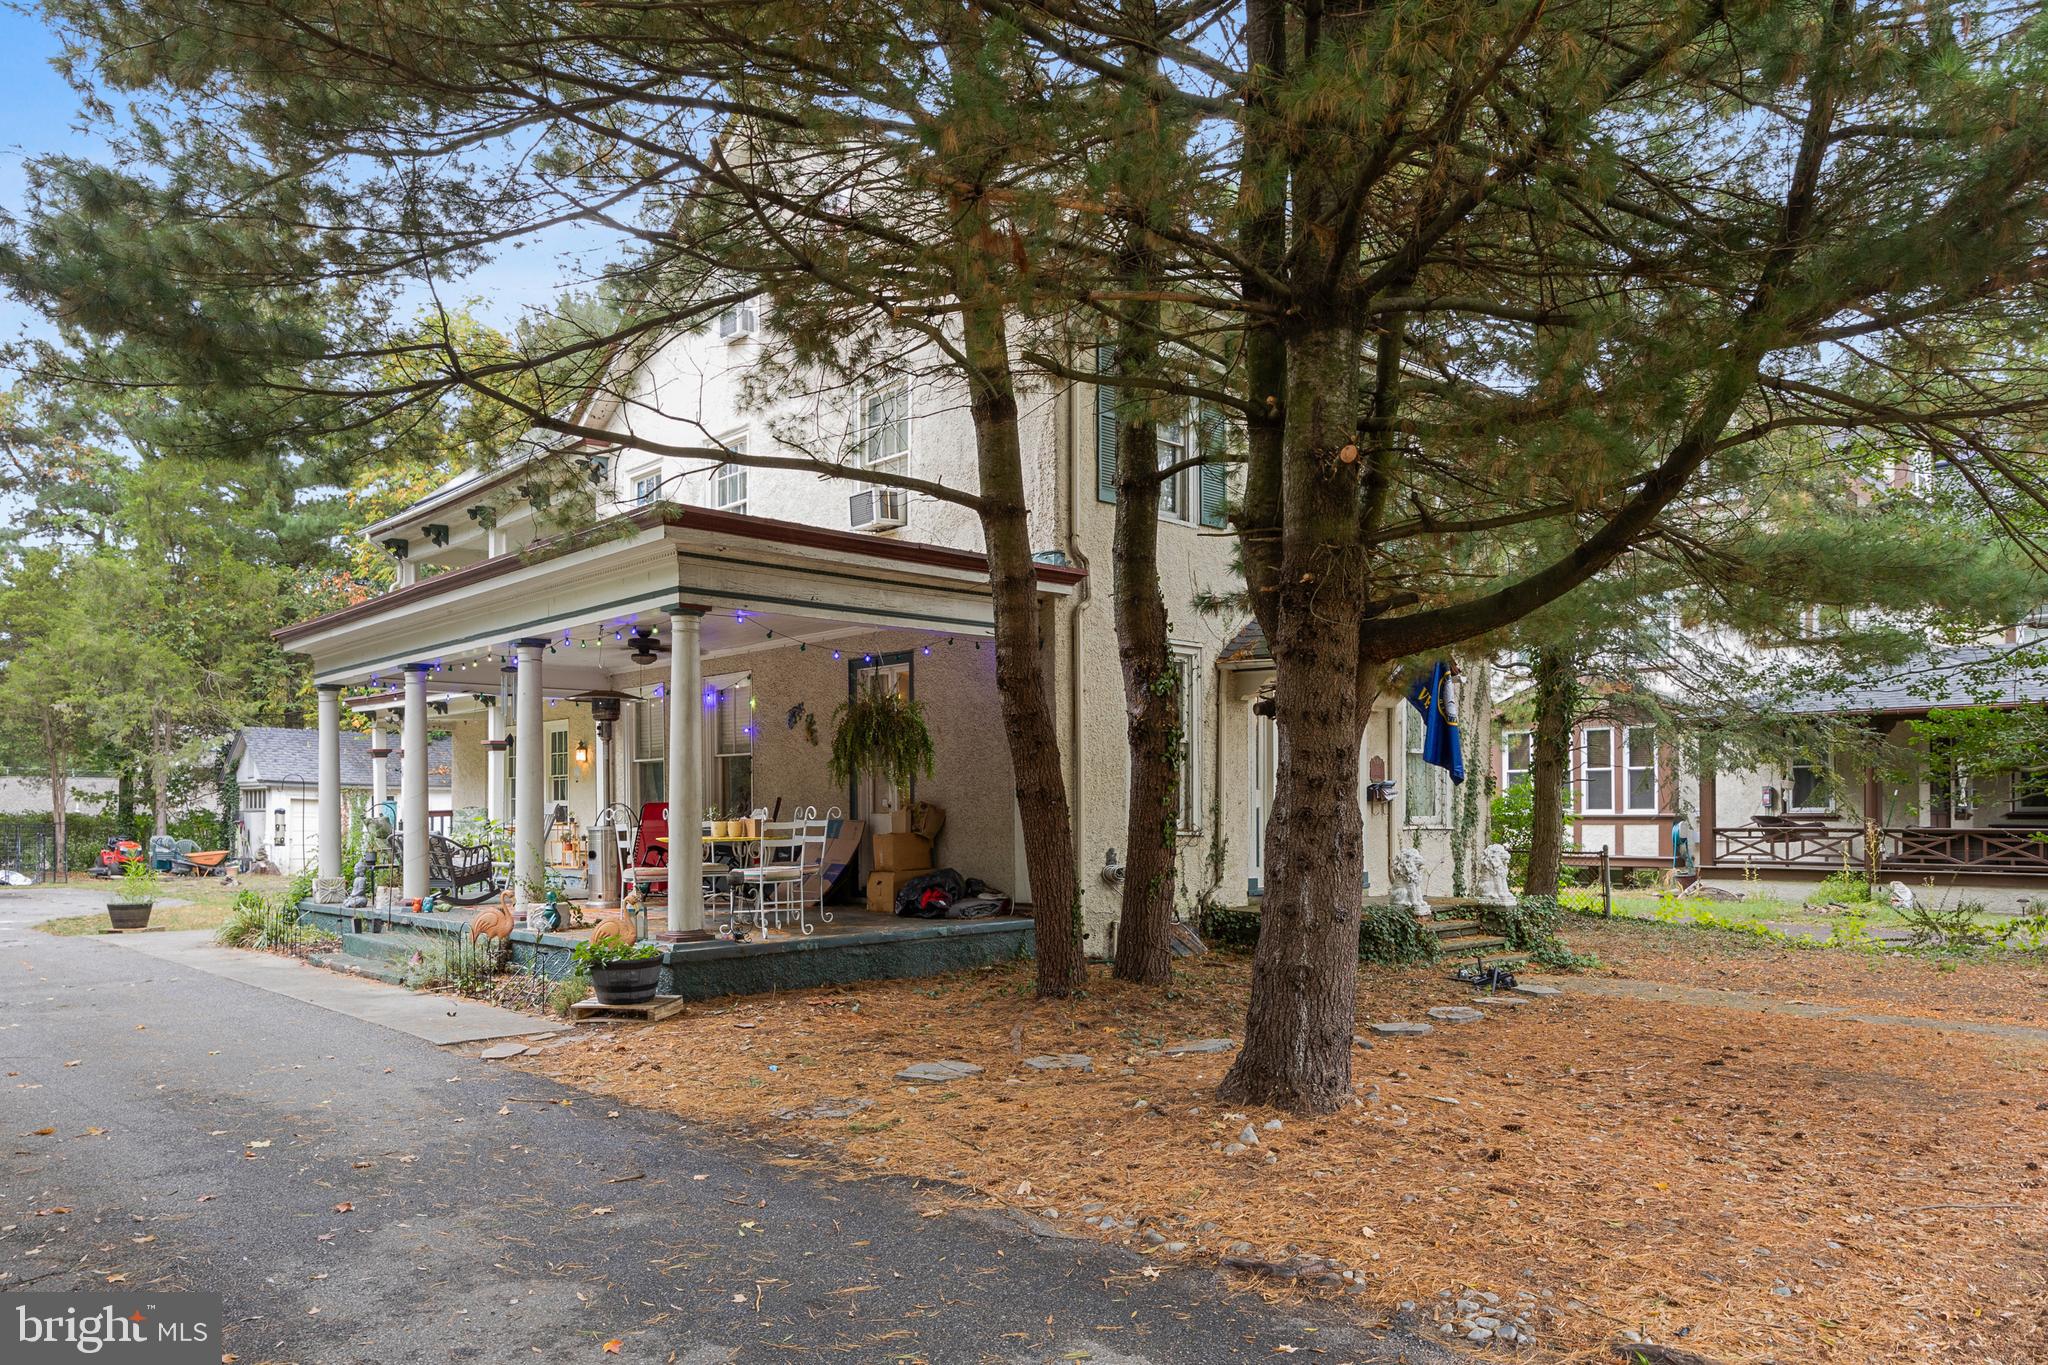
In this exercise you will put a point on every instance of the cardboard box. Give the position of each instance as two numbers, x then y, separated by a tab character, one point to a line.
883	886
888	822
892	851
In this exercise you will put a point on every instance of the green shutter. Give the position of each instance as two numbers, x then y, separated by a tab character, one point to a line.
1106	425
1215	478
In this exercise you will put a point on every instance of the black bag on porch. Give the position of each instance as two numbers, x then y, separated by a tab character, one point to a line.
928	896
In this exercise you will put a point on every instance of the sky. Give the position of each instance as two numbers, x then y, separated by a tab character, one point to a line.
39	115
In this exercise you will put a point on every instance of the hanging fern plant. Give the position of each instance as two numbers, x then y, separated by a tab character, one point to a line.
882	735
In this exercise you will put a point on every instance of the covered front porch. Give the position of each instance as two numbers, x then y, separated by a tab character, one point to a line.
673	660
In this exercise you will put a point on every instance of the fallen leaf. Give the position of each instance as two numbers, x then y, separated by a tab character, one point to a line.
204	1197
71	1063
614	1346
260	1142
117	1279
51	1212
344	1207
92	1132
42	1132
600	1210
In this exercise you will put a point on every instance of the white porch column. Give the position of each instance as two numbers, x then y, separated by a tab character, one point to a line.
330	782
412	783
529	870
380	788
685	768
496	723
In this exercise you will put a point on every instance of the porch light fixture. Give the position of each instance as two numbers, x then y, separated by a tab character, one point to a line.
582	753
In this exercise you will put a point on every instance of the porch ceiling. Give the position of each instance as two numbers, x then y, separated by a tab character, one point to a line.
761	582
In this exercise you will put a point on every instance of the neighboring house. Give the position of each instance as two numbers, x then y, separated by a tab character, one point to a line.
772	594
277	775
1789	825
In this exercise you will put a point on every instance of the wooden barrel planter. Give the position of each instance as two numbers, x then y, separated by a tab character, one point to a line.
626	983
129	914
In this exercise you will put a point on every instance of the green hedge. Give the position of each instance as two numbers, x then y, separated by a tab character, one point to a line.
1386	937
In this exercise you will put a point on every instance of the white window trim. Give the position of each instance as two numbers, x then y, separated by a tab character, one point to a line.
1412	727
1820	787
1187	492
898	463
1508	770
738	321
650	476
1615	773
1629	767
1188	820
547	771
736	442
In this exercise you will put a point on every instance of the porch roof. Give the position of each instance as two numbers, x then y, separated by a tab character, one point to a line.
1976	675
756	578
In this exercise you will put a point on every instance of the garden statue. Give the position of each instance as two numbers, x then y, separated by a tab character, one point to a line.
1406	875
366	878
1493	877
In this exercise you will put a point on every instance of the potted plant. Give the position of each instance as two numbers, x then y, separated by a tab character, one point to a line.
137	896
620	973
883	735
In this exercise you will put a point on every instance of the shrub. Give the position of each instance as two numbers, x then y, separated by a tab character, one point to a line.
568	991
244	922
1530	927
1386	936
1945	927
455	962
1845	887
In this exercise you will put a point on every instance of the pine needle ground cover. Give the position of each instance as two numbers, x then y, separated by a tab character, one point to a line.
1745	1184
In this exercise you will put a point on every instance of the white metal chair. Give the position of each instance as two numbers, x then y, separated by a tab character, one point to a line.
790	855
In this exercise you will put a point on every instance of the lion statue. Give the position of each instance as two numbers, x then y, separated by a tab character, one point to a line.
1406	876
1493	886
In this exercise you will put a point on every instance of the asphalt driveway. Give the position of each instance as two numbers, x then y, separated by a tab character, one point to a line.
358	1194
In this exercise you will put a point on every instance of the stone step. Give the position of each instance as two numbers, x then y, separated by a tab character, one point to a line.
1444	928
373	969
1470	943
387	947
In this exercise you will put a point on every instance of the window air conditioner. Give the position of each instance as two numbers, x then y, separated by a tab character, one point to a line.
877	509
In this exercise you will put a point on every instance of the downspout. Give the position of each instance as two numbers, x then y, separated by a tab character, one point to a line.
1077	770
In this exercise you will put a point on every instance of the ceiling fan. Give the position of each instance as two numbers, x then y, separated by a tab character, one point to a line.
645	648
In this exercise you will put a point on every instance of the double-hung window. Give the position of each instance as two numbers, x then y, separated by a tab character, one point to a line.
729	484
558	763
738	321
1517	750
646	487
1641	763
733	737
1596	768
650	749
1809	786
885	429
1177	495
1421	796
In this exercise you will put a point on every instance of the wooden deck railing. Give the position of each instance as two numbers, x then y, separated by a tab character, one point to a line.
1909	848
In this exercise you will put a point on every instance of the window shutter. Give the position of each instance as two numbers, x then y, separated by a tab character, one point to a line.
1215	478
1106	426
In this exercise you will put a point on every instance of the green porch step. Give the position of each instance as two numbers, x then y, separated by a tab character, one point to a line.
374	969
388	948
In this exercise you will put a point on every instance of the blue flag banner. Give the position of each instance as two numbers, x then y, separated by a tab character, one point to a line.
1431	696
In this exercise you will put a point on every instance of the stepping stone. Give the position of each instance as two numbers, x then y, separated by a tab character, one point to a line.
1539	991
1455	1014
1400	1028
1498	1000
502	1051
826	1109
1061	1061
938	1071
1194	1045
1357	1041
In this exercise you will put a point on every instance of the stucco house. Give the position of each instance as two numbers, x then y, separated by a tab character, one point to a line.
728	611
1886	805
277	777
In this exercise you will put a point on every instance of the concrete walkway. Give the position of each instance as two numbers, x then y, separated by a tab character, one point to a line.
1667	993
438	1019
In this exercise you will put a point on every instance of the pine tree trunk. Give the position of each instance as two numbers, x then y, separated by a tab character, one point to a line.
1021	681
1152	702
1153	719
1299	1026
1556	703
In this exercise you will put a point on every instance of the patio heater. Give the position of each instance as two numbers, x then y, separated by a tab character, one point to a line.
605	893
